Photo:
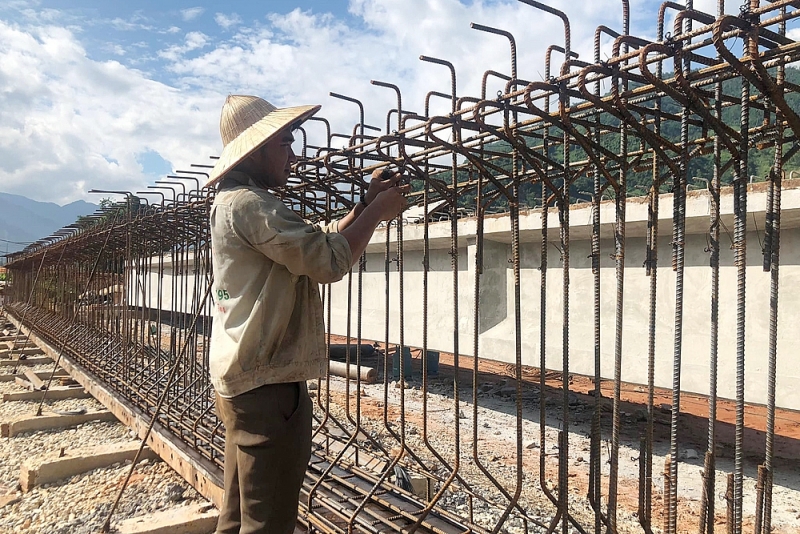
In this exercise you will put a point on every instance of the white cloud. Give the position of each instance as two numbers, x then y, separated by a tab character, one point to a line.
227	21
68	123
22	4
130	25
173	29
301	56
192	41
116	49
192	13
66	120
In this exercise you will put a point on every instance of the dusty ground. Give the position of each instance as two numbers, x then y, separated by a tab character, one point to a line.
495	450
78	504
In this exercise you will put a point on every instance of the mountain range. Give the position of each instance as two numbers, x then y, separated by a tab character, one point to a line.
23	220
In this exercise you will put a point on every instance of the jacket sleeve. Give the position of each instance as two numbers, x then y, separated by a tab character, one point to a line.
270	227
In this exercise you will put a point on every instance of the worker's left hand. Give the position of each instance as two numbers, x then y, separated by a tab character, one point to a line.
381	181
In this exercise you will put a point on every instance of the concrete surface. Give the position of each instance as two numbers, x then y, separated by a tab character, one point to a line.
196	519
53	467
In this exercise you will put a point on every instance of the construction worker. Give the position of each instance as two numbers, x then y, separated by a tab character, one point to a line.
267	336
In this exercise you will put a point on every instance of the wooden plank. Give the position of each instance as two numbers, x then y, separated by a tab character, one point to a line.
32	423
198	471
19	351
28	361
23	382
44	375
59	393
21	343
58	465
33	379
197	519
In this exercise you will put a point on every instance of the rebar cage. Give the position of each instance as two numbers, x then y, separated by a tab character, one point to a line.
536	439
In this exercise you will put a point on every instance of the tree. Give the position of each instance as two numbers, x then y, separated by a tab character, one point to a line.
110	210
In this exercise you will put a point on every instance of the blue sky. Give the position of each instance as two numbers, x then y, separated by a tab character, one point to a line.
141	28
114	95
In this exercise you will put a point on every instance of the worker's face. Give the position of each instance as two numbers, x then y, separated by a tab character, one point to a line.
272	163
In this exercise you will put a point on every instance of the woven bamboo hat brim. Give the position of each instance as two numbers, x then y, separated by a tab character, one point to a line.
246	124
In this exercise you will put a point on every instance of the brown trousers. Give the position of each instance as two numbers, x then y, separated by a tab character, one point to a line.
267	449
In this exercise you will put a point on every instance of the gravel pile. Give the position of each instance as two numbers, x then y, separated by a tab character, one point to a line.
79	504
39	368
12	387
497	439
15	409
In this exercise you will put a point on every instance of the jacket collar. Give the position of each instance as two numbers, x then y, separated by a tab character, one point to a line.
237	178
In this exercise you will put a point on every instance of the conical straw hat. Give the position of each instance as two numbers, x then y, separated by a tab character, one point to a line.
246	124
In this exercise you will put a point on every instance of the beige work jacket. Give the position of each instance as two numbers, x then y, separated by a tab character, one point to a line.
268	323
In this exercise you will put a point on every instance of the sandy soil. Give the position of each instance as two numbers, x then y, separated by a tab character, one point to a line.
495	451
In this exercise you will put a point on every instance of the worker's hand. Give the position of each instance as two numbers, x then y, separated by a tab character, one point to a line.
390	202
382	179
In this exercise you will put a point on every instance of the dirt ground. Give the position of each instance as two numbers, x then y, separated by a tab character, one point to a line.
498	433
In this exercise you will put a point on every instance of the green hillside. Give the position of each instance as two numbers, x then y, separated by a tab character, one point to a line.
701	165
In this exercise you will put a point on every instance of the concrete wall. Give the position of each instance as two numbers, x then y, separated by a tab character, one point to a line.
181	295
497	317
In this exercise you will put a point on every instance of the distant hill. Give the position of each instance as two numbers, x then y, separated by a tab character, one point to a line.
24	220
701	165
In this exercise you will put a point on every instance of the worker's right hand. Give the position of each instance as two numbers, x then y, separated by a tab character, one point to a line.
391	202
382	179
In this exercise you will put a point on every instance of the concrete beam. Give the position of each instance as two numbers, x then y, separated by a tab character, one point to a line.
30	423
198	471
201	519
57	393
27	361
52	467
